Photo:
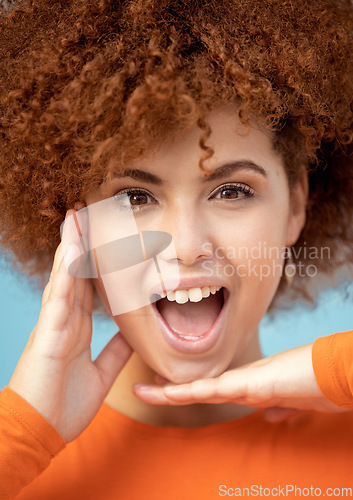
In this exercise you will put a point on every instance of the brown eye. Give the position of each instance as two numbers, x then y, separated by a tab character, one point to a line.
229	194
138	199
233	192
133	199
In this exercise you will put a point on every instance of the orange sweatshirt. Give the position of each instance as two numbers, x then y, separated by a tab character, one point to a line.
119	458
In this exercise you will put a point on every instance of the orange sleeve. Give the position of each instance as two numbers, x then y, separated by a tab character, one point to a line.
28	442
332	358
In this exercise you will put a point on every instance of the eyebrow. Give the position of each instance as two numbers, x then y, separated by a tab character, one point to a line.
217	173
229	168
139	175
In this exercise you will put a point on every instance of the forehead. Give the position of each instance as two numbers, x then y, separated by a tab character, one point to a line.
175	161
229	140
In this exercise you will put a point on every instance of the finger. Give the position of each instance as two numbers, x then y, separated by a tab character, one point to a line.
276	414
78	294
46	292
87	300
54	313
57	259
71	235
112	359
82	311
58	255
154	395
76	307
247	385
235	386
81	298
62	281
160	392
200	390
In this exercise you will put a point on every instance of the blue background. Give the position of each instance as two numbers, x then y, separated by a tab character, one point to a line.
20	307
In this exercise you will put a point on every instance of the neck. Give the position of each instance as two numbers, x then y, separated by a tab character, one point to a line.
122	399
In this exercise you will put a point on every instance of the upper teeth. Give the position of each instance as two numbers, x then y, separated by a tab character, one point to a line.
192	294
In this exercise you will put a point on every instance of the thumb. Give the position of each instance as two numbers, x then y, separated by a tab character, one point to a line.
112	359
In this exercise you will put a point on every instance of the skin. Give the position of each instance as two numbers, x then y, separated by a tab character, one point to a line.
205	230
55	372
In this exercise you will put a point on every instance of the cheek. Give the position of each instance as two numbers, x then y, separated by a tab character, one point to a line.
252	233
251	249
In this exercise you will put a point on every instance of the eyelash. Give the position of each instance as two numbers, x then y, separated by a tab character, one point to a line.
238	187
131	192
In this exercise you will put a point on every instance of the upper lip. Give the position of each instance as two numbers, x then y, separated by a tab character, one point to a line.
187	283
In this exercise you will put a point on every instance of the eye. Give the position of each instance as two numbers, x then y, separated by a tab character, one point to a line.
232	192
133	199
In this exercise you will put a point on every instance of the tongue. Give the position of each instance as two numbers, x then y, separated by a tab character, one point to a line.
191	318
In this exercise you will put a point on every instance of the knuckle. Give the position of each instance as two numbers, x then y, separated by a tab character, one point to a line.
196	389
217	384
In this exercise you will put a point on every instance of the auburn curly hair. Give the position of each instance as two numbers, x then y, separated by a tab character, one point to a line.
82	83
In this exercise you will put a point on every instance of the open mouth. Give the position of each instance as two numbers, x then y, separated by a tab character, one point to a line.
195	324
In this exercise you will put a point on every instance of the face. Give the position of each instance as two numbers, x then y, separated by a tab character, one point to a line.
229	229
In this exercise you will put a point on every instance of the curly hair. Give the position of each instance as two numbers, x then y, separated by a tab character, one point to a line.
84	84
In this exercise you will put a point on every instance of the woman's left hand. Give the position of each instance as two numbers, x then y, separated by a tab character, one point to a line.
283	384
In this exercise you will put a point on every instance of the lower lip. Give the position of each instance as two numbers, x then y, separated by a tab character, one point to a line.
198	346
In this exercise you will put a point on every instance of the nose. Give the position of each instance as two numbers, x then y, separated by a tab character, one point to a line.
190	234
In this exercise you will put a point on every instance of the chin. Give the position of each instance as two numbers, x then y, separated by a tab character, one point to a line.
185	371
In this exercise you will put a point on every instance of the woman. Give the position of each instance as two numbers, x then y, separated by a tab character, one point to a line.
227	126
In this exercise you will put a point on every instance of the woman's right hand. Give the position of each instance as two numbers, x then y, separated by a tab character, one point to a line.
55	372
